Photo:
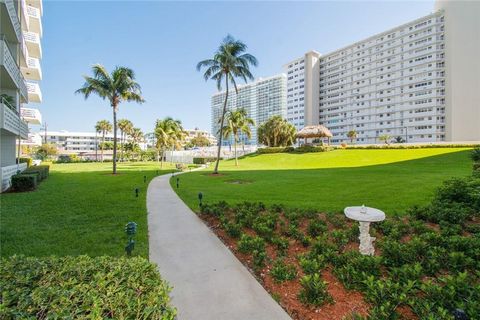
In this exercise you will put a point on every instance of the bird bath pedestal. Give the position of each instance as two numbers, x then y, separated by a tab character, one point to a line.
365	215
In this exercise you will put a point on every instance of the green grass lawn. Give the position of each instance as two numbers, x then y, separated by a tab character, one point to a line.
392	180
79	209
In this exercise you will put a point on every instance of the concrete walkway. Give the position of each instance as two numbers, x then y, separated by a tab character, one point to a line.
209	283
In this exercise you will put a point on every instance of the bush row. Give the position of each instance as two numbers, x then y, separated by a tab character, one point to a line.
204	160
83	288
408	146
28	161
302	149
29	179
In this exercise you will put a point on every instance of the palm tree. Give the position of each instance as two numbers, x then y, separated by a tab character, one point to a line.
237	122
276	132
352	134
103	127
125	127
168	133
137	137
228	63
385	138
116	87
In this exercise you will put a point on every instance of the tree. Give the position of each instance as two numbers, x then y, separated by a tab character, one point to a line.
46	150
276	132
103	127
137	137
228	63
237	122
116	87
167	132
352	134
200	141
125	127
385	138
398	139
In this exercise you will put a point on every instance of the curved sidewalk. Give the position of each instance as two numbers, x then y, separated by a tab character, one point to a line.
209	283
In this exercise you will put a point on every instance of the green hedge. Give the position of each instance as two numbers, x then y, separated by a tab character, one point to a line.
83	287
42	170
408	146
204	160
28	161
302	149
25	182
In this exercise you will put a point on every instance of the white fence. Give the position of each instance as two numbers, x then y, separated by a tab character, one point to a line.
186	156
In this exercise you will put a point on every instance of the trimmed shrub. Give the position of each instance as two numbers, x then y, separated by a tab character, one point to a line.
28	161
83	287
283	272
475	154
42	170
274	150
308	149
204	160
410	146
24	182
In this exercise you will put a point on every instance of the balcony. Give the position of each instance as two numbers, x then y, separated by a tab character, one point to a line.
34	92
12	78
34	20
33	70
31	116
10	21
36	4
10	120
33	44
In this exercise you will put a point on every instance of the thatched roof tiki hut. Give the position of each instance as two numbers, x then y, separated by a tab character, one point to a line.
317	131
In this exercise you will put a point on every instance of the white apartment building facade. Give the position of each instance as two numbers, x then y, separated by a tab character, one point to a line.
417	81
262	99
20	71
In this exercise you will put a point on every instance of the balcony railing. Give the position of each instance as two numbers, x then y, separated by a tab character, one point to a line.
12	12
31	116
6	58
34	17
34	92
33	71
33	44
10	121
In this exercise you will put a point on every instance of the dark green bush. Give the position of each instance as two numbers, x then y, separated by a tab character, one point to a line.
204	160
316	227
28	161
83	288
314	290
475	155
283	272
411	146
274	150
42	170
248	244
24	182
308	149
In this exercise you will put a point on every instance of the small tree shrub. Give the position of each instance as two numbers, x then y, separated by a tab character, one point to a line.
283	272
314	290
248	244
83	288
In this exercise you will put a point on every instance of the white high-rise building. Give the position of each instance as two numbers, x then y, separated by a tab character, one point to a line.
20	71
262	99
418	81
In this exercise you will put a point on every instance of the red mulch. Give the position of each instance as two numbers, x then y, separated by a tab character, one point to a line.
345	302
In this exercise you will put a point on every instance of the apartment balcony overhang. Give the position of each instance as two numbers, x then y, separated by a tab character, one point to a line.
33	44
32	70
10	75
31	116
34	92
34	20
9	19
11	122
36	4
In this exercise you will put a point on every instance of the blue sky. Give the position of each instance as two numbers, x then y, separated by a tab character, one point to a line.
163	41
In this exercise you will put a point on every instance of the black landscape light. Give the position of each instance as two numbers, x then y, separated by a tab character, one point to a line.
157	172
459	314
136	192
200	197
130	230
144	179
178	181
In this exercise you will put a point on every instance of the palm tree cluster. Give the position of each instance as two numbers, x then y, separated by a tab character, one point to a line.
228	63
126	130
169	134
237	122
276	132
116	87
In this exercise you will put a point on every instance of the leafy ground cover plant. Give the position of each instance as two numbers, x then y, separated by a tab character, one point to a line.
82	287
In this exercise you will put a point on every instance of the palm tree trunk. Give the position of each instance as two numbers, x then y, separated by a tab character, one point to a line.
114	139
220	138
235	150
122	144
103	143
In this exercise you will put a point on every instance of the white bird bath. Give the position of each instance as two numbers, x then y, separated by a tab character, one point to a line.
365	215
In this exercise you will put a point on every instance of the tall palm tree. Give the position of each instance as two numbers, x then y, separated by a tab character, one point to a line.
228	63
125	127
237	122
168	133
116	87
103	127
137	137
